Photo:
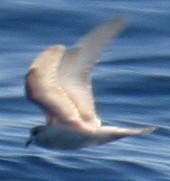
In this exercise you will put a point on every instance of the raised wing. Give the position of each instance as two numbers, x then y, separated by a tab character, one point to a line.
43	88
74	69
60	84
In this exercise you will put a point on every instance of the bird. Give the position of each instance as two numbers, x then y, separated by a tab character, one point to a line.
59	82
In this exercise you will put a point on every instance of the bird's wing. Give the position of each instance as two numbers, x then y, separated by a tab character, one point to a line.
59	82
74	69
43	88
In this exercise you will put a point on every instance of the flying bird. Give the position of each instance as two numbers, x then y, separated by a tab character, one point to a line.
59	82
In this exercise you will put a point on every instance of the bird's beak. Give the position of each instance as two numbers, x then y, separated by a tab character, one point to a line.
28	142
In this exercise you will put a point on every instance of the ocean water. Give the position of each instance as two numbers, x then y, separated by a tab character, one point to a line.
131	86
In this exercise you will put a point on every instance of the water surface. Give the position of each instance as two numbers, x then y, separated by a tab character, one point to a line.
131	87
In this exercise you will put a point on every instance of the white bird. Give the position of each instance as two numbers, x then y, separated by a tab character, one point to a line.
59	82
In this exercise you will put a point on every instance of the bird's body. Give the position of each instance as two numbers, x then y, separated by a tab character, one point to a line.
64	138
59	82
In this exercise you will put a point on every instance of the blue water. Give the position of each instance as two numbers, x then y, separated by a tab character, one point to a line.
131	87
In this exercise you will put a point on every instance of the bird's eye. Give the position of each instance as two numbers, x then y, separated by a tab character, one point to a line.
34	132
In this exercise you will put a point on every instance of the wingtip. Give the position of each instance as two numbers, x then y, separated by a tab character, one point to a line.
149	130
56	48
118	23
121	19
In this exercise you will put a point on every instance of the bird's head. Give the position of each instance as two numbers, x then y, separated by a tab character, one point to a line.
34	134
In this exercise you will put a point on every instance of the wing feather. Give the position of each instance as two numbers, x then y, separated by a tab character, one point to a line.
60	83
74	69
42	87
